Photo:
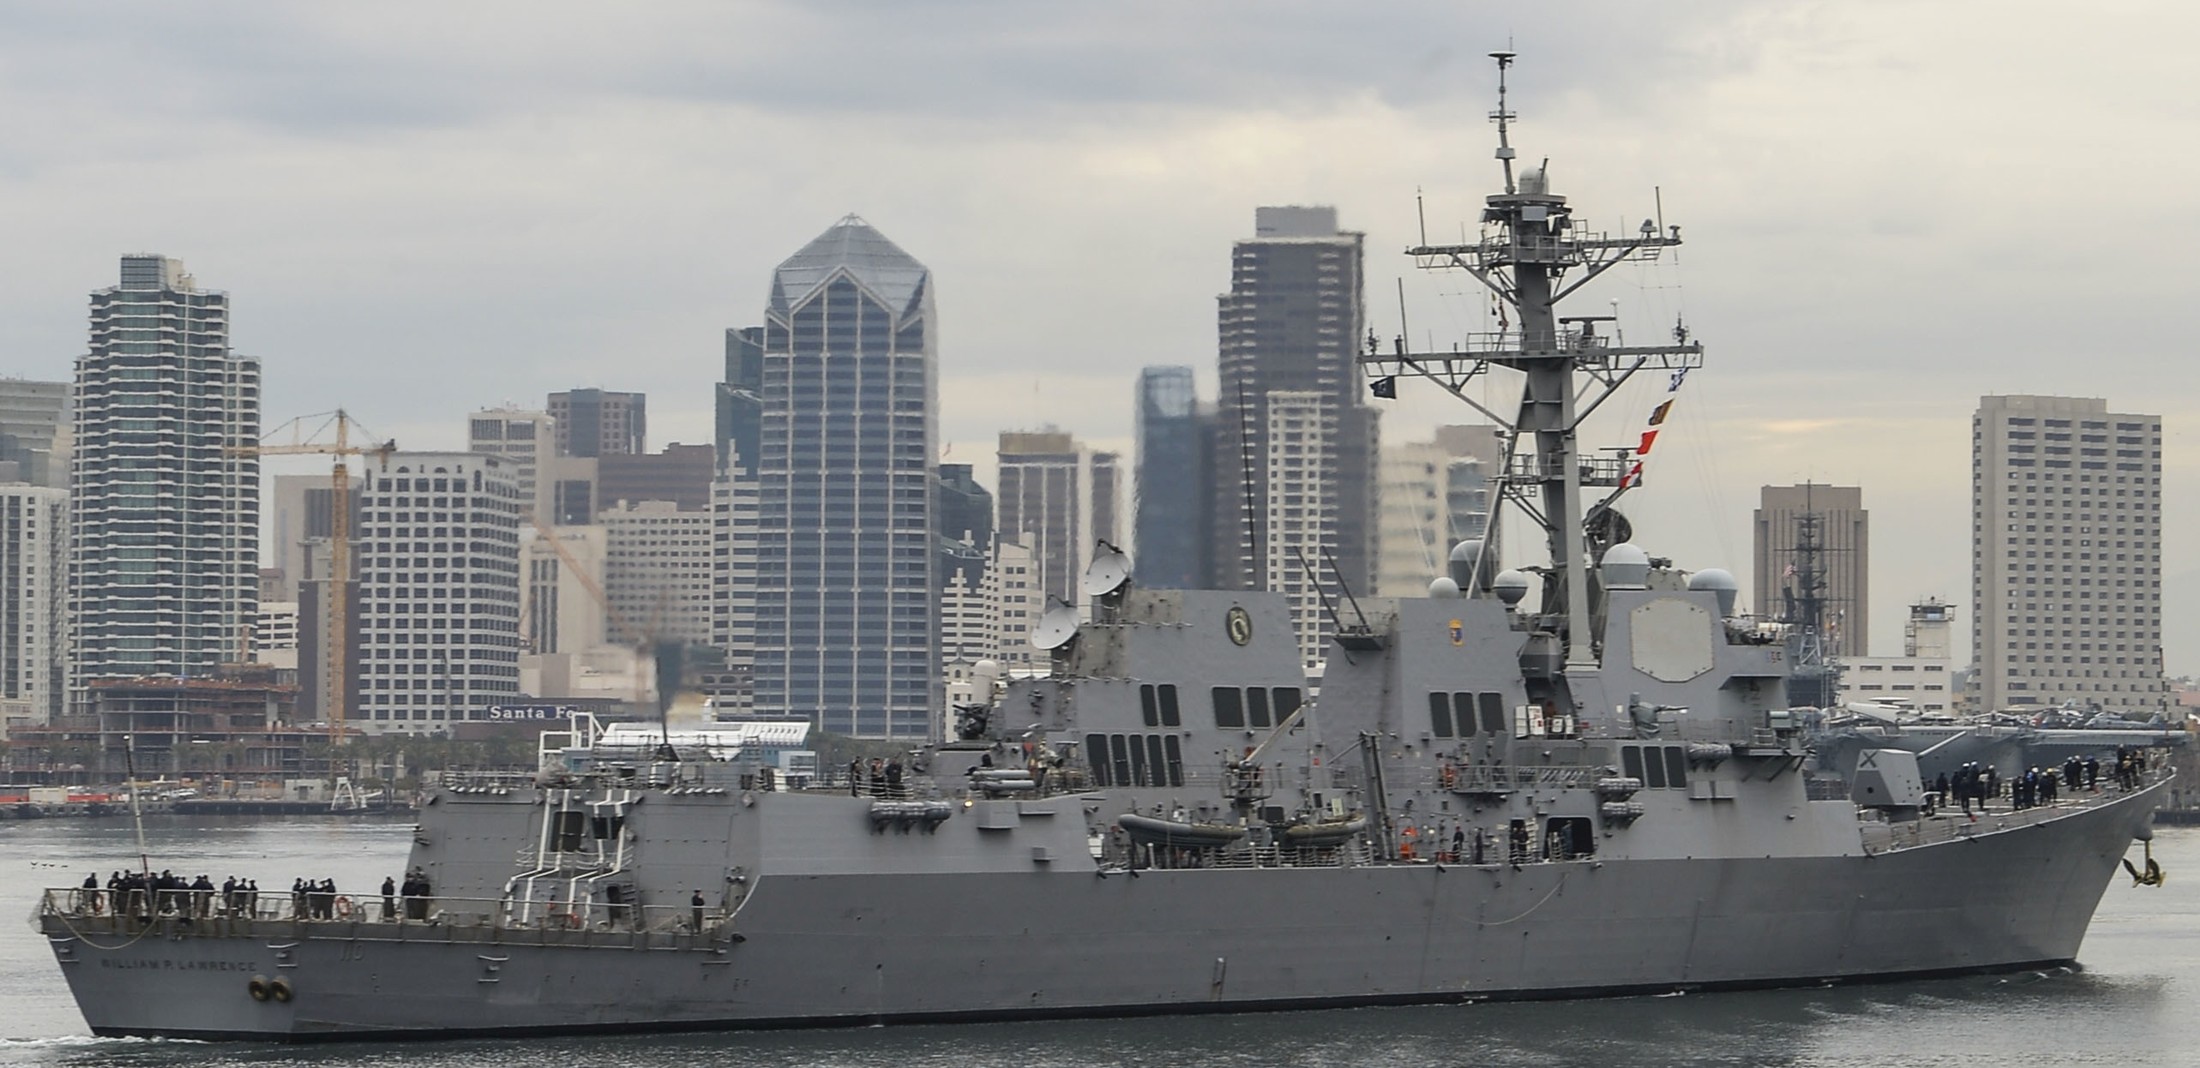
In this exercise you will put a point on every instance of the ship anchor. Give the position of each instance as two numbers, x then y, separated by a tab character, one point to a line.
2152	876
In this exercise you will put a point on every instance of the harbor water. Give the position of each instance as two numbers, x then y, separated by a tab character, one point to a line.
2133	1003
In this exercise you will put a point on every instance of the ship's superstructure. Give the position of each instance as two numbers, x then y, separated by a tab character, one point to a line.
1596	791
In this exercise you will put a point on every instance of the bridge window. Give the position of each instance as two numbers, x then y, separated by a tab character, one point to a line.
1493	713
1256	707
1176	759
1170	717
1439	715
1122	760
1138	759
1096	756
1149	706
1676	767
1156	768
1462	709
1229	707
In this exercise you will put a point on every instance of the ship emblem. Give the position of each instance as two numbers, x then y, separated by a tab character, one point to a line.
1240	624
1458	632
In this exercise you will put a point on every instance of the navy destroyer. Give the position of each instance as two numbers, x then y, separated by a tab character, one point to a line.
1594	791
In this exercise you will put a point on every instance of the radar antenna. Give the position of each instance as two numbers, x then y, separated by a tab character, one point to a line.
1529	244
1501	117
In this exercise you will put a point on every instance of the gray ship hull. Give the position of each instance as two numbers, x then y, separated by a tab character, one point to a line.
823	950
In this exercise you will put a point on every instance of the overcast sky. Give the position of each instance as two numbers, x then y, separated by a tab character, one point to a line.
420	209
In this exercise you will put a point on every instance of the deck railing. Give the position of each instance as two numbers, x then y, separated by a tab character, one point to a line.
187	913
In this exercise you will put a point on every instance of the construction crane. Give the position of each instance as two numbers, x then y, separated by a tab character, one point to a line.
338	602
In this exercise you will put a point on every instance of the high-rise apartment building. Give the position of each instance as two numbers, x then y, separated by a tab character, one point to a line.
34	432
847	612
1290	332
1057	498
164	514
1435	494
962	518
439	591
594	423
734	534
1815	541
658	573
741	399
1170	513
2066	539
33	544
301	526
680	474
563	572
529	440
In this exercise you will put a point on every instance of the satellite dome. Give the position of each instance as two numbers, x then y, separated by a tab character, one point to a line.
1443	587
1465	558
1719	581
1625	567
1511	586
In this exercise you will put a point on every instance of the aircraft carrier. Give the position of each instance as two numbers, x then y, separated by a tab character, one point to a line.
1593	790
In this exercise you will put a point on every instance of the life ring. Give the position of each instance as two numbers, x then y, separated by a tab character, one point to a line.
280	991
343	908
257	988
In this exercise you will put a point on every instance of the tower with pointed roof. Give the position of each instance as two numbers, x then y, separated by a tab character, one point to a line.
846	621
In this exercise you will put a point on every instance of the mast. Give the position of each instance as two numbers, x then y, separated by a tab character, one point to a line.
1815	672
1528	244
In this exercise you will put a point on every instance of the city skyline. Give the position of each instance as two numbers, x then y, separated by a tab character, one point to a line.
1789	147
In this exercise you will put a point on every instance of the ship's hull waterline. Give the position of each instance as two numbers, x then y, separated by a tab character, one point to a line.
834	950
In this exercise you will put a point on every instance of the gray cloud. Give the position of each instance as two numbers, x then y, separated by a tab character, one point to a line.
426	208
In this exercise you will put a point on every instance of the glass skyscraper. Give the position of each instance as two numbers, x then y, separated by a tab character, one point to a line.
164	517
1171	529
846	619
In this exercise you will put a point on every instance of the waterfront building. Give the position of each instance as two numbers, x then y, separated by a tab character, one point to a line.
439	591
33	551
301	524
241	723
846	608
564	569
594	423
34	432
734	533
528	439
1170	514
962	521
164	510
740	414
1016	600
1290	330
658	572
1058	499
1923	678
1813	543
275	635
2066	534
1435	494
679	473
